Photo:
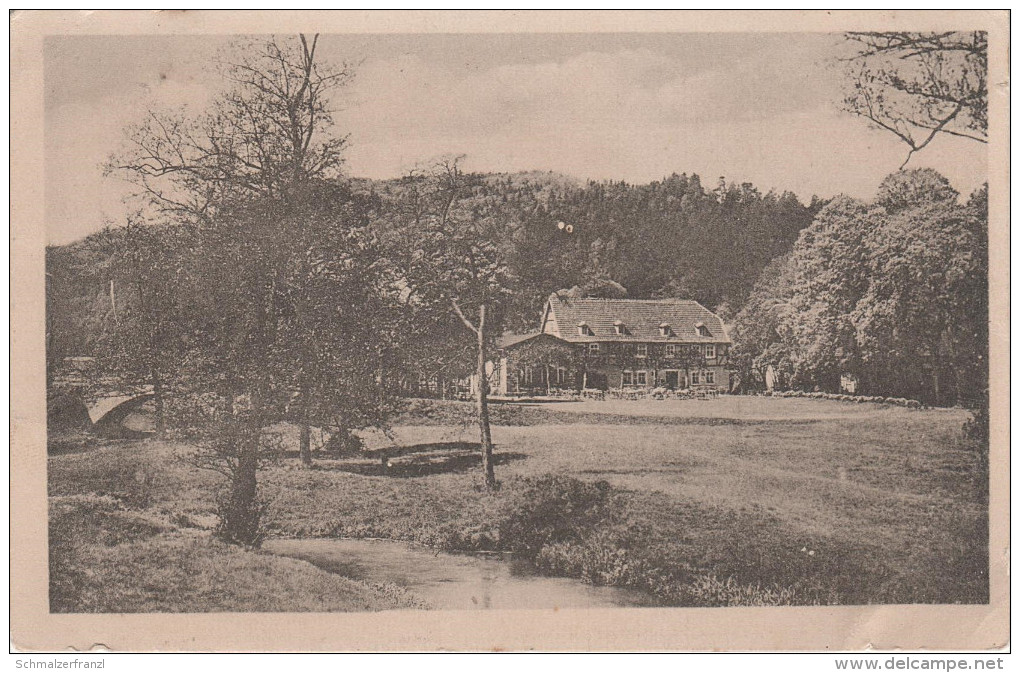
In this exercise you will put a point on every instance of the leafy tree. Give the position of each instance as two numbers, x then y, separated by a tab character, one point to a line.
830	276
762	329
141	333
239	172
337	318
894	293
77	301
923	321
979	425
907	189
462	243
919	85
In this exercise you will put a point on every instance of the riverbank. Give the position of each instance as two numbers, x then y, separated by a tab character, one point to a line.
456	581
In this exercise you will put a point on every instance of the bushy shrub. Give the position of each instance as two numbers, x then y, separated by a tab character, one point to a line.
553	509
603	558
344	443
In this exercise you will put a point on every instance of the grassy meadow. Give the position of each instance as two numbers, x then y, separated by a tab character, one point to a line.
732	501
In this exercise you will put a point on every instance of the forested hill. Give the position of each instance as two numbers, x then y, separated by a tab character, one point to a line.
670	238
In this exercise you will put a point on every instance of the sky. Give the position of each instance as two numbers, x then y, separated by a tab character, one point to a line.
759	108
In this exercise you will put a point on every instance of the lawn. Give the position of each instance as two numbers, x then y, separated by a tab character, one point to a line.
737	500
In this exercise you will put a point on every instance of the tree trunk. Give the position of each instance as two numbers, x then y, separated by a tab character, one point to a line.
240	512
482	395
242	520
305	439
240	516
113	303
305	442
157	399
954	366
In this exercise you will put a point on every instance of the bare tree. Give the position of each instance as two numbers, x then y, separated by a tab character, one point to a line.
920	85
267	134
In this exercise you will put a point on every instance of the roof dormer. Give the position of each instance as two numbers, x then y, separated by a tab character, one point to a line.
583	329
619	327
702	330
665	330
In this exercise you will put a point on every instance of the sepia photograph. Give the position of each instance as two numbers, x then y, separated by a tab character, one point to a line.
412	322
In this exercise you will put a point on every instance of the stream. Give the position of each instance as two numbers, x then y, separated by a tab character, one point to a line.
454	581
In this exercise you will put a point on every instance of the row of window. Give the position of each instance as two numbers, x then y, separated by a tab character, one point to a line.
640	377
637	377
527	375
707	350
630	377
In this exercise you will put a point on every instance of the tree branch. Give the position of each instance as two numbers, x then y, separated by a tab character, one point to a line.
463	318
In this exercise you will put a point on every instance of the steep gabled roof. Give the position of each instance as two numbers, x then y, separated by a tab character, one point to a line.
641	320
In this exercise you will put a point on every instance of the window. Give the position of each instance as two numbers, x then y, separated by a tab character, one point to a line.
642	350
710	351
709	376
561	376
695	378
593	349
529	375
670	350
641	378
628	378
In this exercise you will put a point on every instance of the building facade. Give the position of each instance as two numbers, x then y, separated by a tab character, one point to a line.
586	343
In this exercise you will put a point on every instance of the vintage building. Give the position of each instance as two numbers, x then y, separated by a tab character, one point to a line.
615	343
